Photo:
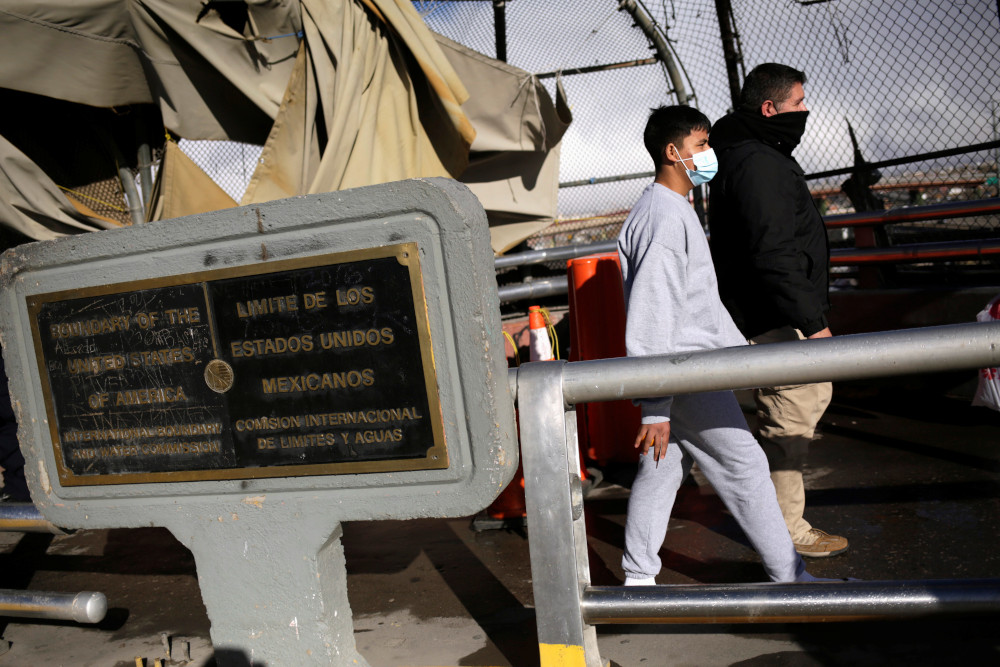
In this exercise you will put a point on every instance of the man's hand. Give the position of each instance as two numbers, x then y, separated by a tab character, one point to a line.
825	333
656	436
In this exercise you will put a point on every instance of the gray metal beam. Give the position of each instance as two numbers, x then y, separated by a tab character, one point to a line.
533	290
789	603
905	352
855	357
660	45
555	254
558	558
567	607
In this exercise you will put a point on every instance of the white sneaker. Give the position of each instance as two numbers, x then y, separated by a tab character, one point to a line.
648	581
805	577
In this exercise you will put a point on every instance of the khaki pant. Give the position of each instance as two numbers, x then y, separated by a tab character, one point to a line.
786	423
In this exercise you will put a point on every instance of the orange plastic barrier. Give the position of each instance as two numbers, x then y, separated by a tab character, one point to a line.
597	331
510	503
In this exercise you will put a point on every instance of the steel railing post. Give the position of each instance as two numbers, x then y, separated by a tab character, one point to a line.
558	537
85	607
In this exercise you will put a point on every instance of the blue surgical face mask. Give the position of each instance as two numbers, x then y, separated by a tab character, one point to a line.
706	164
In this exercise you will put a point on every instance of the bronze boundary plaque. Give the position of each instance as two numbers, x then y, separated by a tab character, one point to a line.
247	372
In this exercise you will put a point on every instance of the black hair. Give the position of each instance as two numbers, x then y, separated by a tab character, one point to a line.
769	81
671	125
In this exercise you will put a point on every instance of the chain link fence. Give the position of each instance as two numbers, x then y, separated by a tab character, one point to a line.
918	83
229	163
911	79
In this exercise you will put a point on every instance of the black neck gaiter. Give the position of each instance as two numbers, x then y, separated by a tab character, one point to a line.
782	131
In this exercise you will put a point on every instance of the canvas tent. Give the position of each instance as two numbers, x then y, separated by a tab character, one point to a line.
341	93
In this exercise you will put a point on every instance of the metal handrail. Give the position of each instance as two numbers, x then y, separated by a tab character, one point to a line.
535	289
84	607
792	603
867	219
915	252
567	607
853	357
554	254
840	358
25	518
960	209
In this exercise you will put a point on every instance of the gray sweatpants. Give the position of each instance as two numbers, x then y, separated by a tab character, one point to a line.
708	429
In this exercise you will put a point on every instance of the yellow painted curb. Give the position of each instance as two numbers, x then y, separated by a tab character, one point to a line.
561	655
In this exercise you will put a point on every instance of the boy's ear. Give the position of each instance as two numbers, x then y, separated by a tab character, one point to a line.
669	157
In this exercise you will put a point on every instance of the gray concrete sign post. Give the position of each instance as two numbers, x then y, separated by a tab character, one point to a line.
251	378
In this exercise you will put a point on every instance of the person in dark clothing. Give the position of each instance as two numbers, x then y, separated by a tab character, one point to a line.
771	256
15	488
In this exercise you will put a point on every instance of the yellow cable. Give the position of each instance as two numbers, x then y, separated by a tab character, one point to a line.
510	339
99	201
553	336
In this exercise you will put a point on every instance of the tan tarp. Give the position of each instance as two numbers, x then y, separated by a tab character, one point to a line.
210	81
31	204
182	188
514	165
83	51
351	90
365	94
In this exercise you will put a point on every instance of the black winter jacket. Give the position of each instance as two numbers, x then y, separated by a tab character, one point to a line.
768	240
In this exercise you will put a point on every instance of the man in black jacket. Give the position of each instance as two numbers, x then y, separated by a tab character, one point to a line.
771	255
15	488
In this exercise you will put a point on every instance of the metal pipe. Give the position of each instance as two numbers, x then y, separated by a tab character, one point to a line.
649	27
958	209
973	148
84	607
500	28
128	185
554	254
145	176
989	145
859	356
597	68
25	518
788	603
916	252
131	195
730	51
533	290
607	179
893	216
558	559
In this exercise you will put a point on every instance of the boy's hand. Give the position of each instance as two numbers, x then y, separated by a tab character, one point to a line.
656	436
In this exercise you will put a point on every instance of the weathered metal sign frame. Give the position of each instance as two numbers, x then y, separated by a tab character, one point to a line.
244	532
96	362
476	438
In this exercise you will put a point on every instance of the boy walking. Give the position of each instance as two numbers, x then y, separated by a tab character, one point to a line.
672	305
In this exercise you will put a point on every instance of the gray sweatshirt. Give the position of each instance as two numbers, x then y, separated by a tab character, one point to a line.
671	295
